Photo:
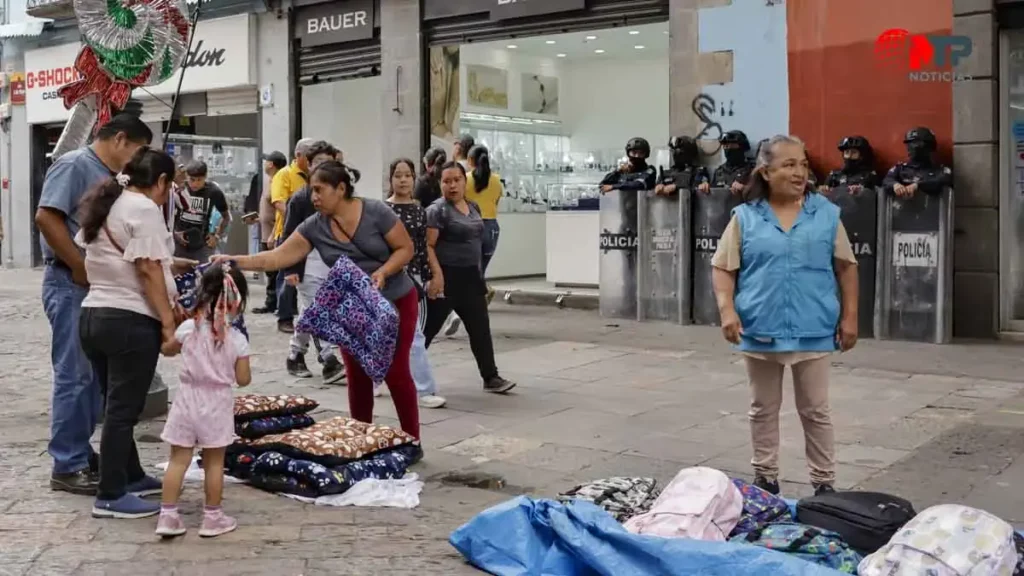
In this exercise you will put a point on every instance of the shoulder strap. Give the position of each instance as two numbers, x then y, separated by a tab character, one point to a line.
110	237
352	240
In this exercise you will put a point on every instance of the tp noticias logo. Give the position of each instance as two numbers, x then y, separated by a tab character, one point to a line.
925	57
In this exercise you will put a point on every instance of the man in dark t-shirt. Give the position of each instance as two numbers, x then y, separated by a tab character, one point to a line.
192	237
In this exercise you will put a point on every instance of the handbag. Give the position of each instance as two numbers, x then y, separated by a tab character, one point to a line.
866	520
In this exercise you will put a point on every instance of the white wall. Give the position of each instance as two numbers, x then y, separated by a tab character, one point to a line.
347	114
602	102
515	65
273	69
607	102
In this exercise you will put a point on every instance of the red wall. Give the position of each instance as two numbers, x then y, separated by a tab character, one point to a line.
837	86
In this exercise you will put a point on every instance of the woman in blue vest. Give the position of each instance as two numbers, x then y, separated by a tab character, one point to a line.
785	279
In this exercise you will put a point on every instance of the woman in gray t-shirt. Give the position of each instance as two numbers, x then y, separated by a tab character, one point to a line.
372	236
455	234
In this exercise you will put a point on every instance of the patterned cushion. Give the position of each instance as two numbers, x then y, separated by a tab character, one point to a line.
252	406
349	312
332	442
623	498
322	479
273	425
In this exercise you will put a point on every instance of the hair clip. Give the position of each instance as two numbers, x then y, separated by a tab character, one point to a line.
123	179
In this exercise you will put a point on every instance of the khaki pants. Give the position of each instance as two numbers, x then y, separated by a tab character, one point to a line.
810	385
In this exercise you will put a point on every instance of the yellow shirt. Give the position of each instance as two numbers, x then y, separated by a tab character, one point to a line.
286	182
486	199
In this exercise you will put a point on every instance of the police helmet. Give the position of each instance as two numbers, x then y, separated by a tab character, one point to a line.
683	144
921	134
736	137
859	143
639	145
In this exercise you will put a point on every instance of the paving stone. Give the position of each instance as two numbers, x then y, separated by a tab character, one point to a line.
186	550
91	551
559	458
45	521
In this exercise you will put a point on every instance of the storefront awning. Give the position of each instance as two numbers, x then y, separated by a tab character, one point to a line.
23	29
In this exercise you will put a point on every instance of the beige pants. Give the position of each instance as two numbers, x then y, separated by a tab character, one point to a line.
810	384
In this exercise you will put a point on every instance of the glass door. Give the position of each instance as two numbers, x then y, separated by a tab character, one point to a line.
1011	165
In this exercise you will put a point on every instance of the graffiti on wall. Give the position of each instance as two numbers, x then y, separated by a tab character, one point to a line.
707	110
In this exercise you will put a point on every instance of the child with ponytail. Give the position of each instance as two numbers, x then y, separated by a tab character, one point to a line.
215	355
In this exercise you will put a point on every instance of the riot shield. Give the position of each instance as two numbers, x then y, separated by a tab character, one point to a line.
915	272
859	214
664	257
617	295
711	214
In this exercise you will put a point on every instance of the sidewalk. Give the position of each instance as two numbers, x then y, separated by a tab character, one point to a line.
595	398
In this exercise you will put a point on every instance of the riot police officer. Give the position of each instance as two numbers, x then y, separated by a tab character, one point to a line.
921	171
632	177
735	172
858	170
685	172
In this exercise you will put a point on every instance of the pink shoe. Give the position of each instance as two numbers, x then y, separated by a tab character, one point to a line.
170	525
217	524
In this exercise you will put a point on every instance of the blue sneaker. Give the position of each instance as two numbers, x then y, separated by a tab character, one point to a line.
148	486
127	507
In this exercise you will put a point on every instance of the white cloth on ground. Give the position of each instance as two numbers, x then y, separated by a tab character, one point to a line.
399	493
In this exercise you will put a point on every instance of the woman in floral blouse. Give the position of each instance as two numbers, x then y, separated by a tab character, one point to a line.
413	215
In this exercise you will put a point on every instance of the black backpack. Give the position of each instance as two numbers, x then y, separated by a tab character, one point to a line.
865	520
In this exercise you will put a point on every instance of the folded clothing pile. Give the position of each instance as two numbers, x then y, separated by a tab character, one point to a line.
282	449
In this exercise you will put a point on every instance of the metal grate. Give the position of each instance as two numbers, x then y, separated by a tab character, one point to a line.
339	62
601	14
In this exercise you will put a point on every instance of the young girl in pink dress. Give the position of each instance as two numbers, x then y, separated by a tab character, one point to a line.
215	355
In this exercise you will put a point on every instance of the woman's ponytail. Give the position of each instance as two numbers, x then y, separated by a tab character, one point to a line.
481	167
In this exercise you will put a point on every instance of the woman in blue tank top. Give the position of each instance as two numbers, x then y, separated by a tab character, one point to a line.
785	280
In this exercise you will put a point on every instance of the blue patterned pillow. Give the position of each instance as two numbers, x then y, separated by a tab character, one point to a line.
349	312
272	425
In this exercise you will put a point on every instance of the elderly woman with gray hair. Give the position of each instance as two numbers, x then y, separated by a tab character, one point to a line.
785	278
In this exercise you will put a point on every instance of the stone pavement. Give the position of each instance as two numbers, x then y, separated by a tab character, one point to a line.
595	398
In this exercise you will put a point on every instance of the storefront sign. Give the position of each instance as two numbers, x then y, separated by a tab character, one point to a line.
334	22
506	9
219	59
498	9
17	88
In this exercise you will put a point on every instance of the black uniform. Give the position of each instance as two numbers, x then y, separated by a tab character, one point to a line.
859	172
685	173
737	166
637	178
930	176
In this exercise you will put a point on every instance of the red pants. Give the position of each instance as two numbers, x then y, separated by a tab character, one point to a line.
398	379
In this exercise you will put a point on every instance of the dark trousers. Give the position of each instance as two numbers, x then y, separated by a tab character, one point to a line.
287	298
123	348
271	301
490	244
466	294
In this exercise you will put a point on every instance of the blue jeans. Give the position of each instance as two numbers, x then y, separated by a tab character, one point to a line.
76	402
255	241
490	241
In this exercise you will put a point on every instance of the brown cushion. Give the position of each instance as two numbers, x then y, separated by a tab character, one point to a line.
252	406
333	441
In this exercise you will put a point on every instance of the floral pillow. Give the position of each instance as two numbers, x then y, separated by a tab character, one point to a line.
323	480
253	406
259	427
333	442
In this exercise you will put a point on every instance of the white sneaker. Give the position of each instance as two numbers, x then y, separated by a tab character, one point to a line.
379	391
452	325
432	401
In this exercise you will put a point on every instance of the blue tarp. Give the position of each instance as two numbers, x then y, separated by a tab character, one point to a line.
526	537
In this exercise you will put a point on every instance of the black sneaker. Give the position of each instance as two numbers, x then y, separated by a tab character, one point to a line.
264	310
498	385
334	371
769	486
297	367
820	489
286	326
82	483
